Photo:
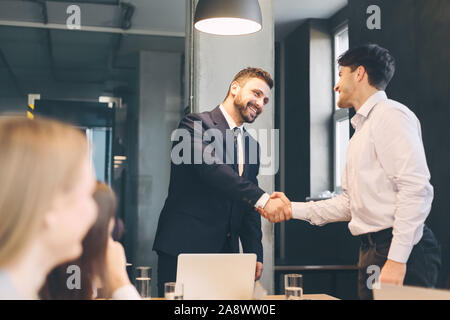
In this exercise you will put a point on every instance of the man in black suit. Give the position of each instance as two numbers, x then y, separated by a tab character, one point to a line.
211	203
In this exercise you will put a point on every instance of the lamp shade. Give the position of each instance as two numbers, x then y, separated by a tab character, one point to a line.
228	17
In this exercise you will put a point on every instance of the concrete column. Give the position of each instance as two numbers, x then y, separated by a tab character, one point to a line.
216	60
160	111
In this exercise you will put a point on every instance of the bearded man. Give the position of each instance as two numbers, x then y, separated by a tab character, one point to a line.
211	205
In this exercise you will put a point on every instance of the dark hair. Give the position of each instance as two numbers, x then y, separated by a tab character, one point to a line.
248	73
92	261
378	62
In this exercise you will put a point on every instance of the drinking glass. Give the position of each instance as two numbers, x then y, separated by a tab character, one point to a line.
173	291
293	286
143	281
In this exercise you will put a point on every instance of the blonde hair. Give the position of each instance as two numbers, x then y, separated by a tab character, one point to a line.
39	159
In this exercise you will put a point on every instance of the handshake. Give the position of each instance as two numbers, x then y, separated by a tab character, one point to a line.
277	209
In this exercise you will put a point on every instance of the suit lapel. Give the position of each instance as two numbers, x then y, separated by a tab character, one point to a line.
219	119
222	125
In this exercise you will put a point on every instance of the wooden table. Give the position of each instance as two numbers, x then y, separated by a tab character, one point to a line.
282	297
305	297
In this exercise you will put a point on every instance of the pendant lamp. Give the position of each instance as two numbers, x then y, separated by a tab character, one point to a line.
228	17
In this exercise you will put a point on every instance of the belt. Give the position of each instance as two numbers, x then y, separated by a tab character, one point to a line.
373	238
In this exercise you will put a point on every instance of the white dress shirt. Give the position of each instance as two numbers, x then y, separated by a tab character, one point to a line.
385	180
265	197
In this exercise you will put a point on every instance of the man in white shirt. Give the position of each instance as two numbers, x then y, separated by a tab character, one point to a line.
386	190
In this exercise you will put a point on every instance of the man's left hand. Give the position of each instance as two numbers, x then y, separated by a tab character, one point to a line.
393	272
259	270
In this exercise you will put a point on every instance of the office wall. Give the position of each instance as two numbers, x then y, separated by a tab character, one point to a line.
417	34
297	113
153	110
160	111
13	104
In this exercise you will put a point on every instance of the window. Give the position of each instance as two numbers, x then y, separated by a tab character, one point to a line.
341	116
99	141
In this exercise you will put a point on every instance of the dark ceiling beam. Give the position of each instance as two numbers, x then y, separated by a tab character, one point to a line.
11	73
117	43
44	12
108	18
49	38
86	1
50	54
127	15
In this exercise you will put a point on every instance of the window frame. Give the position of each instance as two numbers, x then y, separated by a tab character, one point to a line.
339	115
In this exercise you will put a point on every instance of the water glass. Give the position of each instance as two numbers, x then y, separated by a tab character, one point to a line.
293	286
143	281
144	272
173	291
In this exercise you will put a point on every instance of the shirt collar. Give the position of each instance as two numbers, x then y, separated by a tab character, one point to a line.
365	109
229	119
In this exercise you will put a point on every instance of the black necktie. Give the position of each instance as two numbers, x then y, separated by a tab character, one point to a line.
236	132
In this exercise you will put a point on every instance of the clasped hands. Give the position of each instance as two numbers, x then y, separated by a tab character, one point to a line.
278	208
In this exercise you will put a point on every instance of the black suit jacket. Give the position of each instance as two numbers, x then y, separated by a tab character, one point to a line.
209	204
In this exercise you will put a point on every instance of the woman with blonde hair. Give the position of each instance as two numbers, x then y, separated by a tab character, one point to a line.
46	204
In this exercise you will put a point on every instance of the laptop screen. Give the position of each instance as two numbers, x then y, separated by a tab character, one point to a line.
217	276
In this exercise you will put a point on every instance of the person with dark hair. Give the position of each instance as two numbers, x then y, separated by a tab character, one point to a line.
378	63
211	205
119	229
102	263
387	193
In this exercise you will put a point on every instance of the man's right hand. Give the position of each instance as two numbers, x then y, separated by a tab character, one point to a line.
277	209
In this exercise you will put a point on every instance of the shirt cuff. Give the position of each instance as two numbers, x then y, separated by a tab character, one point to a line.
127	292
399	253
300	211
261	203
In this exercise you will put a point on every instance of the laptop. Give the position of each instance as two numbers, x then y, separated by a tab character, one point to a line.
393	292
217	276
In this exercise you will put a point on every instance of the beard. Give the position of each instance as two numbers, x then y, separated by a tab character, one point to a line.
247	114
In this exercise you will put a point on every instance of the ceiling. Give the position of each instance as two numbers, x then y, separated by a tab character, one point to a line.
289	14
38	56
169	15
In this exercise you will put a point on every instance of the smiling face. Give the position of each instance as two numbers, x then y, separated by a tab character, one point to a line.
346	87
250	99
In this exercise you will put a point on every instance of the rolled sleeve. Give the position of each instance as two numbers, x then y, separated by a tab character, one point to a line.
399	252
322	212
